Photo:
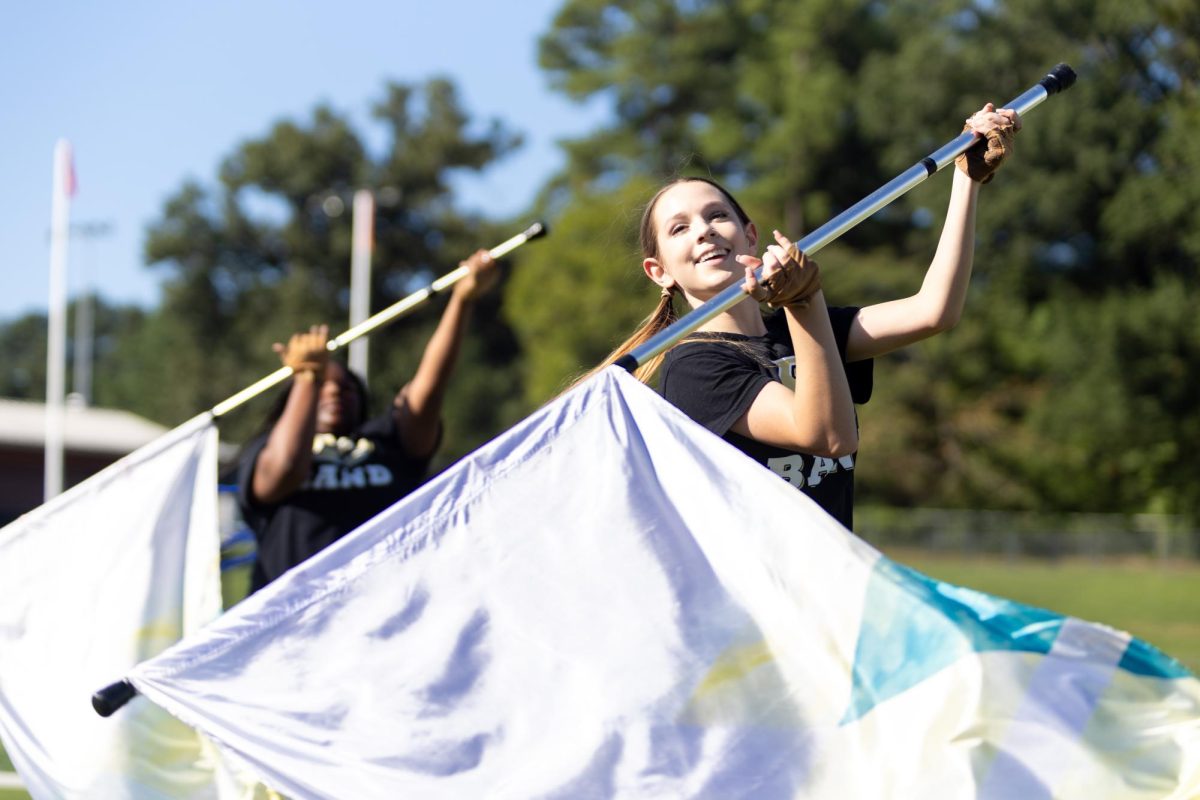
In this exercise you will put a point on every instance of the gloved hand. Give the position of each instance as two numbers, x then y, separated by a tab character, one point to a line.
483	273
794	283
997	129
306	353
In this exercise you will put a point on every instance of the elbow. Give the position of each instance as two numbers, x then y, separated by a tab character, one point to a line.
272	482
935	324
846	446
941	316
945	321
935	314
839	444
832	437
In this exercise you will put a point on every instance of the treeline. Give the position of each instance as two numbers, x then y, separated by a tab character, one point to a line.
1069	385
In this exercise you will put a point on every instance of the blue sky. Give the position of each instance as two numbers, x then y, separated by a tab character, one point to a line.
150	94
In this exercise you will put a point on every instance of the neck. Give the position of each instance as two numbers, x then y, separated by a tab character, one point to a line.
744	318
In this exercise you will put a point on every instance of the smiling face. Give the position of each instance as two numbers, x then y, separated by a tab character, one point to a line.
697	231
339	401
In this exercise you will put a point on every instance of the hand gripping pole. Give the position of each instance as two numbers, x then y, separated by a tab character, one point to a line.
392	312
1059	79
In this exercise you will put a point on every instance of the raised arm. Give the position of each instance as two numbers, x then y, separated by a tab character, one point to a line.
283	463
418	405
817	416
938	305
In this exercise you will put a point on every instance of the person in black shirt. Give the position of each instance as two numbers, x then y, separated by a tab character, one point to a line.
322	468
781	388
716	377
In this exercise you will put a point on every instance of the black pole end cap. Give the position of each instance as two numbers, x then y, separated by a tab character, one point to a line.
627	362
536	230
109	699
1059	79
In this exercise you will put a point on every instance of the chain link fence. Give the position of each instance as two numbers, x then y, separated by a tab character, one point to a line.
1013	534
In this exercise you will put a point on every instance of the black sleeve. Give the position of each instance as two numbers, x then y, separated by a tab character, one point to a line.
714	383
859	374
385	426
380	427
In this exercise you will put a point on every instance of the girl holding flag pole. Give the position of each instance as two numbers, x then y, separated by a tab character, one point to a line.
782	388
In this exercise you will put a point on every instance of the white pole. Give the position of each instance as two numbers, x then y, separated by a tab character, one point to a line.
360	274
56	339
392	312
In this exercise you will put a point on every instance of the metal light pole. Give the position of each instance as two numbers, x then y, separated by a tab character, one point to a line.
81	382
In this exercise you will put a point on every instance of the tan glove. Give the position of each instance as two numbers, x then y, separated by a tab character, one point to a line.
306	353
794	283
982	160
482	274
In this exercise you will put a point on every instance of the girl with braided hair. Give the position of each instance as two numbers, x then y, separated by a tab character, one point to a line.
782	388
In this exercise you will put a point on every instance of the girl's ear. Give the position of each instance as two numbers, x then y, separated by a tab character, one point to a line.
656	273
752	236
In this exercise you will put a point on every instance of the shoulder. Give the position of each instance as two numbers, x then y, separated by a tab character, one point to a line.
860	374
702	347
715	379
841	318
713	355
381	426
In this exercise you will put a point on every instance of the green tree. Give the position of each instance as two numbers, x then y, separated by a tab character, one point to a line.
23	373
266	252
590	256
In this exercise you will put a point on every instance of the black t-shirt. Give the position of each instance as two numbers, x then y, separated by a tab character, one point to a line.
714	378
353	478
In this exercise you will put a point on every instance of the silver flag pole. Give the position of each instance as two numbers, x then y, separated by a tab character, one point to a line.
392	312
1059	79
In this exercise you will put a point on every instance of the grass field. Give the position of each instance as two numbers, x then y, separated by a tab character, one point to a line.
9	794
1157	603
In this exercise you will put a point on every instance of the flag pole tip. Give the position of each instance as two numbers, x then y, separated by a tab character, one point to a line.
536	230
1059	79
110	699
627	362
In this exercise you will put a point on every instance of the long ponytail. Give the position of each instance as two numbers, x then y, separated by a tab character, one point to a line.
660	319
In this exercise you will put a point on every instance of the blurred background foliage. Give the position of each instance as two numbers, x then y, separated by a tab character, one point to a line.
1069	386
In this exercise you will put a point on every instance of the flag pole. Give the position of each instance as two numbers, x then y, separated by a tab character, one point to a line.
1059	79
108	700
56	318
392	312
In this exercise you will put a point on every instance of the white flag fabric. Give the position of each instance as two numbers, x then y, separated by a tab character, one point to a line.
102	577
608	601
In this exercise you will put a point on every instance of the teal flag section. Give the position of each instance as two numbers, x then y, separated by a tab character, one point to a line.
913	626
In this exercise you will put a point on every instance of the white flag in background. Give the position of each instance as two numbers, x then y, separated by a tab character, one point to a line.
608	601
100	578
